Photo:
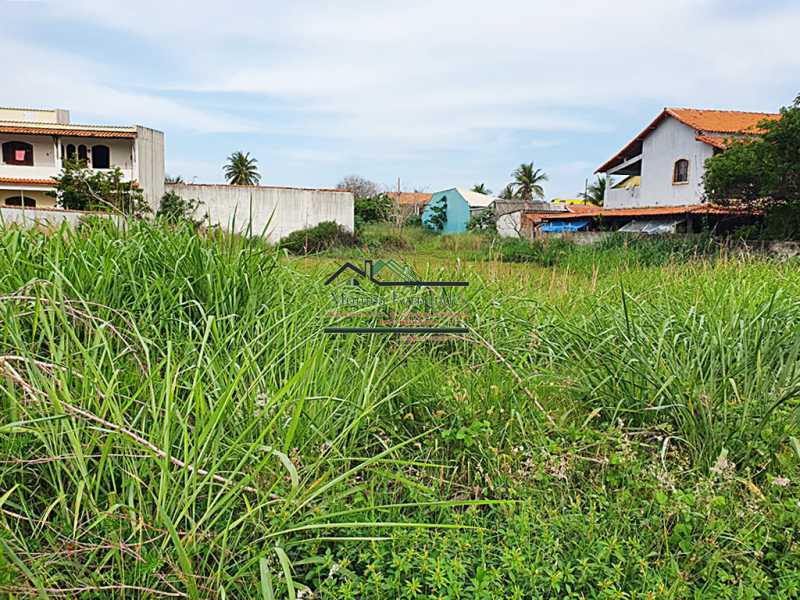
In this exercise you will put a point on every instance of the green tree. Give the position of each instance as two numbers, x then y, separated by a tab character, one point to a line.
377	209
508	192
241	169
81	188
174	209
762	172
173	179
481	189
438	214
485	220
528	182
596	191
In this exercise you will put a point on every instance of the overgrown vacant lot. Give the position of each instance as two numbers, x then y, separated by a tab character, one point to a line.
175	423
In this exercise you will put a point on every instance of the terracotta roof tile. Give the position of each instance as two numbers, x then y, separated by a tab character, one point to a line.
23	181
67	131
584	209
410	198
646	211
722	121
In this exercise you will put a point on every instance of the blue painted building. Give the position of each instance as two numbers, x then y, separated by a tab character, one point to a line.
460	204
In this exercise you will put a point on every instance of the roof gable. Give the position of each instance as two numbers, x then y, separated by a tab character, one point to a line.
476	199
702	121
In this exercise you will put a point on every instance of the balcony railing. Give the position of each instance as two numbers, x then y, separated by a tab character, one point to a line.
42	172
622	197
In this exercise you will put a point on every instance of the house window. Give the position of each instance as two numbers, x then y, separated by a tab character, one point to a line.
101	157
69	152
20	201
82	153
680	173
18	153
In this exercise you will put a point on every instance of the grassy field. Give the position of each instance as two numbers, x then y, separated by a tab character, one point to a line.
619	422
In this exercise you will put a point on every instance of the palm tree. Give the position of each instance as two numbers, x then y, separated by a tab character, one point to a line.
596	191
170	179
527	182
481	189
508	192
241	169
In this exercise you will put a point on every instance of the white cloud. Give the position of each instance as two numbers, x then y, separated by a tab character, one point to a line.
41	77
419	77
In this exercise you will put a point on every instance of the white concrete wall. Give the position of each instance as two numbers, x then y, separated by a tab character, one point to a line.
35	115
271	211
36	217
508	225
149	164
671	140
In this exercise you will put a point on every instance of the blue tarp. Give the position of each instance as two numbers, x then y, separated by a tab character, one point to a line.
563	226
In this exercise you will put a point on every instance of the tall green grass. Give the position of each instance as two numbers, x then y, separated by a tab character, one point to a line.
175	422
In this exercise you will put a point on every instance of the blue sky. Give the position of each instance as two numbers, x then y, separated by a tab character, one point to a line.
441	94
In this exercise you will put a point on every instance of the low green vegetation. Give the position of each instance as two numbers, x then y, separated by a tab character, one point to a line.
175	422
315	239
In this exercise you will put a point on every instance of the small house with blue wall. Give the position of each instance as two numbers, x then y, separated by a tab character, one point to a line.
460	205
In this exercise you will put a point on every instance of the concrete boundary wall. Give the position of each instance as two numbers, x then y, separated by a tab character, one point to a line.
47	217
273	212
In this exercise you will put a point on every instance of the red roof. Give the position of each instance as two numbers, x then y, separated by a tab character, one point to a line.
647	211
586	209
703	121
717	142
66	131
410	198
22	181
722	121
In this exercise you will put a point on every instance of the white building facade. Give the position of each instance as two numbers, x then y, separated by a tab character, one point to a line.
35	143
665	163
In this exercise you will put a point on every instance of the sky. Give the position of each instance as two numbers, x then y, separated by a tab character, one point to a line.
440	93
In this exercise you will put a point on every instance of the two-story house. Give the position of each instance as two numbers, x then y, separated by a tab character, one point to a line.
663	166
35	143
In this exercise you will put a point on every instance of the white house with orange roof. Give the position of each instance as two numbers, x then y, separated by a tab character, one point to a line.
35	143
664	164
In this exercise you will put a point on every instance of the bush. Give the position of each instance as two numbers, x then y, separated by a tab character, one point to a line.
175	209
376	209
80	188
316	239
484	220
413	220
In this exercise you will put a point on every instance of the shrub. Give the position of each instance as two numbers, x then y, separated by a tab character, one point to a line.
81	188
413	220
438	214
316	239
484	220
376	209
175	209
